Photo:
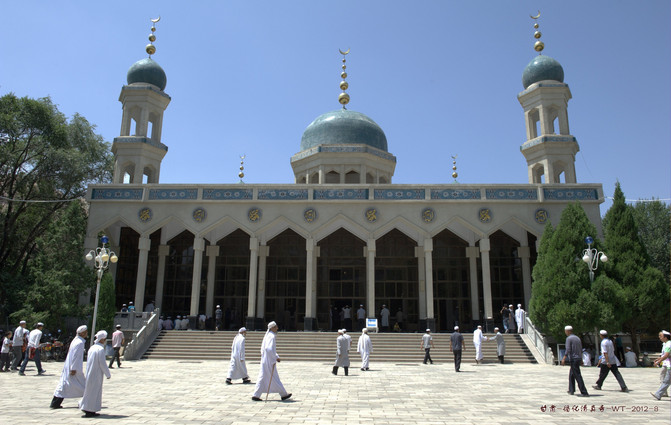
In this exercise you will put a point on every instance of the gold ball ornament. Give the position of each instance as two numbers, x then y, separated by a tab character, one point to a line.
535	25
344	67
537	34
241	174
153	28
152	37
343	98
455	175
150	49
343	75
539	46
344	85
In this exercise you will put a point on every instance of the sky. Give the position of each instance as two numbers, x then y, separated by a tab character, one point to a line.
441	78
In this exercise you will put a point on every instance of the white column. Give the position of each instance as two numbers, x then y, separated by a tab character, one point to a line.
472	253
524	253
198	248
163	251
370	278
212	253
141	279
309	278
253	268
486	277
428	261
419	253
261	302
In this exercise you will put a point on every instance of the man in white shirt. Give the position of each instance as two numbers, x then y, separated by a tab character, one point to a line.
630	358
117	341
384	316
72	381
361	317
17	344
34	347
610	363
347	316
665	361
427	345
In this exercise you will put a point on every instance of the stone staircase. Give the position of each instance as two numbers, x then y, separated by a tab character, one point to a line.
321	347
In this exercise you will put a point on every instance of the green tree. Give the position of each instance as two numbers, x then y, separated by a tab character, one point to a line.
653	219
106	304
46	162
643	286
561	291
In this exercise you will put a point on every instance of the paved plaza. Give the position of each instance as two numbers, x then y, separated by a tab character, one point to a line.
194	392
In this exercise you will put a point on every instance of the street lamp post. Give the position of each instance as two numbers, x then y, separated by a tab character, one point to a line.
591	256
102	256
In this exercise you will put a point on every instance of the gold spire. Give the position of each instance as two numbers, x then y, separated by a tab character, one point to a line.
344	97
538	45
151	49
454	168
241	174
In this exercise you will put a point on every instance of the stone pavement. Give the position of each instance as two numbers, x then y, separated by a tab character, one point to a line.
193	392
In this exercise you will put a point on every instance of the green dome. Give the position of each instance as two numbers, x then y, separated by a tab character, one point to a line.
542	68
343	127
147	71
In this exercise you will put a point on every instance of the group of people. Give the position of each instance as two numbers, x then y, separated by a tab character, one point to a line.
180	323
24	345
513	319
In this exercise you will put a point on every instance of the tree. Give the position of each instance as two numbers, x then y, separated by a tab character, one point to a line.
643	286
653	219
106	304
561	291
46	163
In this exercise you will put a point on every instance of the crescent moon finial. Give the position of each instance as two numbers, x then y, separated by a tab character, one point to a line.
343	53
343	98
537	16
157	19
151	49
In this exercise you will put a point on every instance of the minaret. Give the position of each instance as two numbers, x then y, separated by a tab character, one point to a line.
138	150
550	148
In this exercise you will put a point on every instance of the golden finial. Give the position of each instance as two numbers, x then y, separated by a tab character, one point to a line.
539	45
241	174
151	49
454	168
344	97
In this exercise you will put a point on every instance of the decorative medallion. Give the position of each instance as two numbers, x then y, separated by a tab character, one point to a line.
310	215
485	215
145	215
371	215
254	214
428	214
199	215
541	216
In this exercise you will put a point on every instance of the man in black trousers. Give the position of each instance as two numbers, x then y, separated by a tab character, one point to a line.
574	355
456	345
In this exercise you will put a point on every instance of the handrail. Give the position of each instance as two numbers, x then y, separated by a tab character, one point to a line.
539	342
142	339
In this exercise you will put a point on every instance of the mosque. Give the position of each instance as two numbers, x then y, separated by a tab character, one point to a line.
343	234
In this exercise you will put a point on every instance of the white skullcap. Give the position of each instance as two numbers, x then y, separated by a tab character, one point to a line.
360	305
23	322
456	328
603	332
364	330
479	326
627	348
339	331
496	329
428	330
272	325
101	335
82	329
118	326
667	333
510	305
179	317
40	324
568	328
344	330
519	305
242	329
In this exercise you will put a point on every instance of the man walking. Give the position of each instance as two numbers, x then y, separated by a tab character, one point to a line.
117	341
609	364
72	381
520	314
17	344
342	354
364	347
34	350
574	355
478	339
500	344
96	367
269	379
665	360
427	345
238	368
505	314
457	345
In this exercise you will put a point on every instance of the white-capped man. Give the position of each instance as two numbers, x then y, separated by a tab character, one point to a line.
364	347
478	339
342	353
269	379
361	317
520	314
384	318
117	342
610	363
665	361
238	368
72	381
427	345
34	350
17	344
457	345
500	344
573	354
96	368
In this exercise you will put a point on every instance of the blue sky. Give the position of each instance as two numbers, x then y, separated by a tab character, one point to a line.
440	77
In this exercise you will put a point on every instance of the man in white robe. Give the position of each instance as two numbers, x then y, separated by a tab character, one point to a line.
364	347
500	344
72	381
348	338
178	323
384	316
96	367
342	354
478	338
519	318
269	379
238	367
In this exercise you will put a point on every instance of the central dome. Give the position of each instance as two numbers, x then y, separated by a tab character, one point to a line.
147	71
343	127
542	68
